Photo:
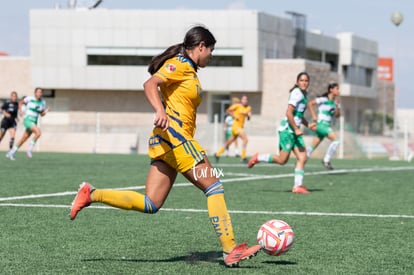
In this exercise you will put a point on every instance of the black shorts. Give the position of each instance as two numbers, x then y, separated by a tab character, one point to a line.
7	124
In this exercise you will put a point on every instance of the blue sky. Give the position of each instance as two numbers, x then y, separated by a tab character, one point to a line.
367	18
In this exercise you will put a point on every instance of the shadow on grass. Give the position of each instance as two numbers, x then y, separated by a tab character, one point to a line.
290	191
309	189
192	258
280	262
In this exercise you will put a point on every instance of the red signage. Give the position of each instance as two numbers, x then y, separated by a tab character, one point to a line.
385	69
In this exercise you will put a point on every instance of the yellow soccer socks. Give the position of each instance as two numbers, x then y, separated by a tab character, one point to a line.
128	200
243	153
219	216
220	151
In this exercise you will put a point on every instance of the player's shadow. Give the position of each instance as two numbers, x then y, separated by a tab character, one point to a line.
280	262
191	258
267	191
309	189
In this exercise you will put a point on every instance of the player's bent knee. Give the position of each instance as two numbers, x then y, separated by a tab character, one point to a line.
282	161
302	159
150	207
214	189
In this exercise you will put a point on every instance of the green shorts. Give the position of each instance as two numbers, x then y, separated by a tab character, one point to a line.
288	141
228	134
28	123
323	130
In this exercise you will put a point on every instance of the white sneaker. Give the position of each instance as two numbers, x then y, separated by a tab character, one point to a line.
29	154
10	156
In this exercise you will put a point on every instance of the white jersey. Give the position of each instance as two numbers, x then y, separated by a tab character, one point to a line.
298	99
326	109
229	122
34	108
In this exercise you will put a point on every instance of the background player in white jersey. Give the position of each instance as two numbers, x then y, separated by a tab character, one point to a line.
328	107
35	106
10	118
290	134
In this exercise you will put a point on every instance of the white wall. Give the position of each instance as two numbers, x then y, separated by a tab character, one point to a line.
59	39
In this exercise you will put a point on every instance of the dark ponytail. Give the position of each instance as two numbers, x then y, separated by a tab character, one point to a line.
158	61
297	79
192	39
330	87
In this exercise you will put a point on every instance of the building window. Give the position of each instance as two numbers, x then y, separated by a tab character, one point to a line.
329	58
314	55
118	60
142	57
357	75
332	59
226	61
133	60
368	77
218	106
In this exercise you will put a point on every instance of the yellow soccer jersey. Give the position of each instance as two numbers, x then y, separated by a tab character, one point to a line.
181	92
239	113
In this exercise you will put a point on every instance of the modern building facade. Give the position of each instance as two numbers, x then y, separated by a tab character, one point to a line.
95	60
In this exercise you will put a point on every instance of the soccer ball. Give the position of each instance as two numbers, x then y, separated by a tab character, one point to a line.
275	237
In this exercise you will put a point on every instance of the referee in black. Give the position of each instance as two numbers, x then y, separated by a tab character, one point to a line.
10	110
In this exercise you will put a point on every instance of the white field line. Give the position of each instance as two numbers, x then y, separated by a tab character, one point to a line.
240	174
291	213
248	178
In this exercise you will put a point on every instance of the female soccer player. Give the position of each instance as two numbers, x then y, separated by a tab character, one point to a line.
35	107
239	112
290	134
9	122
172	147
328	107
228	125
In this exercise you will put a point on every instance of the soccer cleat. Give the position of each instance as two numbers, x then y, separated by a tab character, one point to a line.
327	165
10	156
239	253
29	154
216	157
300	190
253	160
82	199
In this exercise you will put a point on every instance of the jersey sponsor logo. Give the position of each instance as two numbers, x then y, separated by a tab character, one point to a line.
170	68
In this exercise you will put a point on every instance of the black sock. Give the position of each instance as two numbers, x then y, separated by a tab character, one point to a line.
11	143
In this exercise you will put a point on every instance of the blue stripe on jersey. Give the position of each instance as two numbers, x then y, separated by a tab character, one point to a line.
183	59
214	189
175	112
180	123
176	134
